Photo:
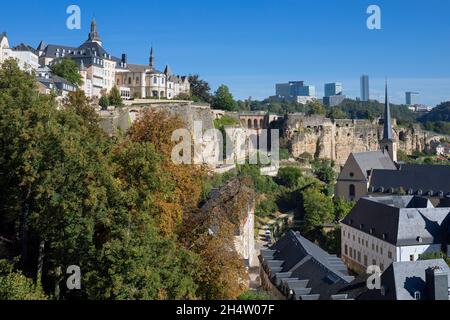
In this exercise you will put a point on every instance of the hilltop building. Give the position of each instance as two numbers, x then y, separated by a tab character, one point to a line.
295	91
99	70
26	56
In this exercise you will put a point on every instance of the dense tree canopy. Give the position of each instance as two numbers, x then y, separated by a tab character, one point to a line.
223	99
67	69
72	196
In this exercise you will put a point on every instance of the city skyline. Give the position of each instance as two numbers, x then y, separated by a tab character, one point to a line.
246	55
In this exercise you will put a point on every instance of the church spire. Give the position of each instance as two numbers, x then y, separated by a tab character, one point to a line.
152	58
388	144
387	132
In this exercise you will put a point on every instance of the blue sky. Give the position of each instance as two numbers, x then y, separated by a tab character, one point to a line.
252	44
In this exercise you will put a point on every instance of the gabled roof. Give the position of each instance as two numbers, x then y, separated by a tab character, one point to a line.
409	277
298	265
367	161
25	47
432	180
401	221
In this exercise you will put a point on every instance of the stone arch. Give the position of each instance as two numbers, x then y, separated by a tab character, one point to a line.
250	125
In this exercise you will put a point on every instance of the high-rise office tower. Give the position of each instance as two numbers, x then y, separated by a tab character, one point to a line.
365	93
333	89
410	98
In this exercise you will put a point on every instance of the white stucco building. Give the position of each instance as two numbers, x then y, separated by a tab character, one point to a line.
380	231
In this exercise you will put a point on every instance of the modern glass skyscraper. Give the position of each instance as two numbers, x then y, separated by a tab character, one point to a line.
333	89
365	93
411	98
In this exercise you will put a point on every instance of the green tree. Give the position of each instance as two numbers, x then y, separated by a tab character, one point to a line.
67	69
114	98
104	102
289	176
342	208
318	209
200	89
323	170
15	286
266	208
315	108
223	99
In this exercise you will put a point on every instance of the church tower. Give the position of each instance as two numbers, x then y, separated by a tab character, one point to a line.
388	143
93	35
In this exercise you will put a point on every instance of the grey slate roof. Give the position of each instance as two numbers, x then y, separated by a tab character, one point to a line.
431	180
374	160
304	271
403	279
401	221
409	277
25	47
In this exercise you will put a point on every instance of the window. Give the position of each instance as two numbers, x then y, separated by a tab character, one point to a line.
374	262
351	253
381	250
359	256
376	249
352	190
365	260
390	255
417	295
367	243
352	174
382	267
346	250
155	80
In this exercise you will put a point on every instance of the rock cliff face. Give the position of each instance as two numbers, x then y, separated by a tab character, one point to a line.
337	139
121	120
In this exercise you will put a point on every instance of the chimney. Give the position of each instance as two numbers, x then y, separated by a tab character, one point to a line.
437	283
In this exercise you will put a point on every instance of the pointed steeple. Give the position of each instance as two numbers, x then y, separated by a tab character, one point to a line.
41	46
388	144
152	58
93	35
168	71
387	132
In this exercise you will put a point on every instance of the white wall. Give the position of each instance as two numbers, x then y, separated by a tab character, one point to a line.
377	251
405	253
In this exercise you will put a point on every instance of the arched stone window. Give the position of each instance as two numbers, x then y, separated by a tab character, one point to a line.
255	124
249	123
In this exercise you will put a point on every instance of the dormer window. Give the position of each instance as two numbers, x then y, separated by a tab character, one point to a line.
361	226
385	236
352	174
372	230
417	295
